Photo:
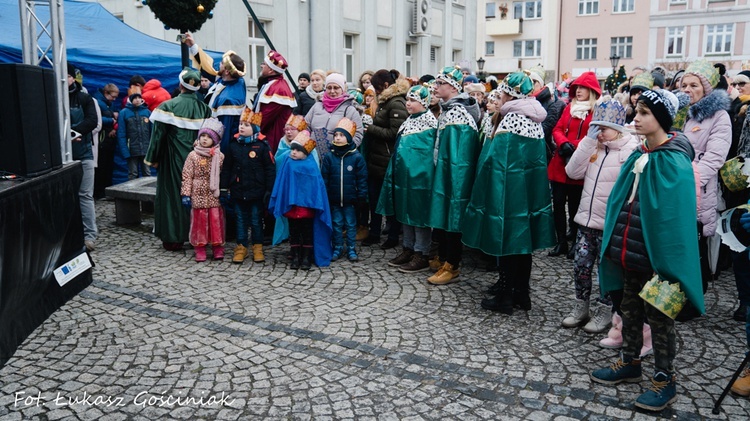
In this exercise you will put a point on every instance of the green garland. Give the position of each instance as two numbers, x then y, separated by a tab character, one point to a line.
185	15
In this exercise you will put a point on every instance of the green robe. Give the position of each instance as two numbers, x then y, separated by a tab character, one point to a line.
510	211
666	192
407	186
457	149
176	124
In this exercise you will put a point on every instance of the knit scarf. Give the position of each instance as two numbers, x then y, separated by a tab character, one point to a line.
213	178
330	104
312	94
580	109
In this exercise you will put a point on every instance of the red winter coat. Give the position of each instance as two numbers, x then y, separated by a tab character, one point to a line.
571	129
154	94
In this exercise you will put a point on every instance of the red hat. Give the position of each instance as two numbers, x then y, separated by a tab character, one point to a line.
276	61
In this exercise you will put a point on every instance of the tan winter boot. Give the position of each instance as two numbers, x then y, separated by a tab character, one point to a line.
258	256
240	254
446	275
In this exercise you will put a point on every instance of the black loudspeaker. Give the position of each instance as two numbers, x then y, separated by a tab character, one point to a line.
29	123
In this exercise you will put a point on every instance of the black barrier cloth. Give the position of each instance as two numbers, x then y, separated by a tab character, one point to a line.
40	229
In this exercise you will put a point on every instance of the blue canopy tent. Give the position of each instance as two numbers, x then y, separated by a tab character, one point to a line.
105	49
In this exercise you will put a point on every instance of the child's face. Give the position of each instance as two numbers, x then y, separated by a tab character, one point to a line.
339	139
246	129
297	155
607	134
205	141
413	107
644	121
137	101
290	132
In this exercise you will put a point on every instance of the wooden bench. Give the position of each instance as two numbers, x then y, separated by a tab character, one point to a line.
128	199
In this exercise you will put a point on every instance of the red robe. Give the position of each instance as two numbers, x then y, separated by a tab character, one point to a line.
275	101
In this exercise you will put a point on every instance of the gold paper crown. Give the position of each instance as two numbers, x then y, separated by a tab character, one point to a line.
297	121
348	125
664	296
303	140
249	116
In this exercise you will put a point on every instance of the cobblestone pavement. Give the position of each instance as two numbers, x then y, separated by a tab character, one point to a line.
158	336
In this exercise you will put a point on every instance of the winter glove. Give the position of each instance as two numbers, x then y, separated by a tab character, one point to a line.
593	131
566	150
745	221
224	198
186	202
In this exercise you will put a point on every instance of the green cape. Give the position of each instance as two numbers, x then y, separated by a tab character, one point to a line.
407	187
666	192
510	211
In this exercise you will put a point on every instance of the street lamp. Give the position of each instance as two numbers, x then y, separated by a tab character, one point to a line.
480	66
614	59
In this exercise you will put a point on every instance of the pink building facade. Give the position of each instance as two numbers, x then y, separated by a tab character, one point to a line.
592	31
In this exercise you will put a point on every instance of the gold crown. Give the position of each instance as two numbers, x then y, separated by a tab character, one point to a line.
249	116
348	125
303	139
664	296
297	121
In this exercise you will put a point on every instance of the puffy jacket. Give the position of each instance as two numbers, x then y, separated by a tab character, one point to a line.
249	169
133	130
599	176
709	130
154	94
108	109
345	176
320	122
627	246
381	134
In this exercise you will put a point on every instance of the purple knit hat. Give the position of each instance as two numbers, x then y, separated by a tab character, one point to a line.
213	128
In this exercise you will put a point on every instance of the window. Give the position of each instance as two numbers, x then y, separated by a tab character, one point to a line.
622	46
489	12
623	6
257	48
349	56
719	38
407	56
434	53
527	9
489	48
527	48
586	49
588	7
675	40
456	56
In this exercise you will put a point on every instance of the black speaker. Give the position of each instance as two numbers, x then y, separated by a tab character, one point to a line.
29	123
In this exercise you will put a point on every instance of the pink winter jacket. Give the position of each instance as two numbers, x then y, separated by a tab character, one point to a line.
599	176
709	130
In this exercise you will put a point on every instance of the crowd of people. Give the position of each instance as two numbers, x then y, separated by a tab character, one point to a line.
628	179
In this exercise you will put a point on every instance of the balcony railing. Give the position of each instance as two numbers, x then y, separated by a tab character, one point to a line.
503	27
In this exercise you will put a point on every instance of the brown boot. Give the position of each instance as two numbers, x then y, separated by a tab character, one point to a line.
446	275
258	256
402	258
362	232
418	263
240	254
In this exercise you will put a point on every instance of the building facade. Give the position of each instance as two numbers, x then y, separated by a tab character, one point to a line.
349	36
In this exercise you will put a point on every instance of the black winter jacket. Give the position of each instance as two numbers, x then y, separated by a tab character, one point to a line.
345	176
554	108
249	169
381	134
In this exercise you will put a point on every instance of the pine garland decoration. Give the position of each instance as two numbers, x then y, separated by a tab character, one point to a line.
185	15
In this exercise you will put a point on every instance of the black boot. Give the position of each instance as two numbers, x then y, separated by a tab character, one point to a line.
560	249
521	297
497	287
306	259
503	299
295	252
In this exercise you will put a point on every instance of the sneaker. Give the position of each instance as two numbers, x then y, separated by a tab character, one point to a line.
240	254
352	256
446	275
258	256
418	263
600	320
578	316
625	369
336	254
663	391
402	258
371	240
741	386
389	244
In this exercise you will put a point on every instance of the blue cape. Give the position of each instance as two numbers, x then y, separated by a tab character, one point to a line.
299	182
